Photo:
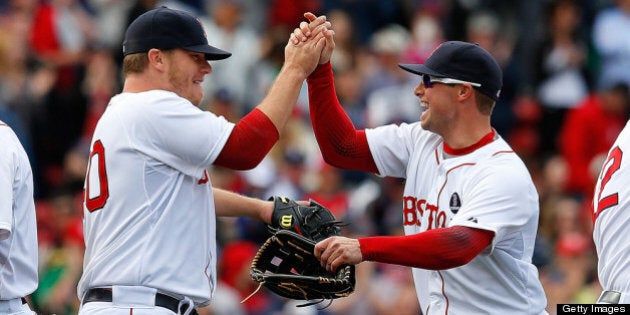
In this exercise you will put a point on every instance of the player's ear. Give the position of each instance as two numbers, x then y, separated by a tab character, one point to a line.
465	91
156	58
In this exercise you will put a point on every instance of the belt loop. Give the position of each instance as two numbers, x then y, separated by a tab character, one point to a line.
186	306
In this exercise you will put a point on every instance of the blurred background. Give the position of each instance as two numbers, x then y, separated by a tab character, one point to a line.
565	99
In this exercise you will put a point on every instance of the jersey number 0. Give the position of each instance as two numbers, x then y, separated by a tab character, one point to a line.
96	197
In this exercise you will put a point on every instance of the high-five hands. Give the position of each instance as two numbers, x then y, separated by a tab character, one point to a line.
304	55
314	26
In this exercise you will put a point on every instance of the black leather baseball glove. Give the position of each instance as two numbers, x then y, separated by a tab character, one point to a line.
286	263
314	222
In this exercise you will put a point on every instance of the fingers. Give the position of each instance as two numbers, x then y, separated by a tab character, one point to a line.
310	16
323	252
316	22
321	247
330	253
306	29
298	35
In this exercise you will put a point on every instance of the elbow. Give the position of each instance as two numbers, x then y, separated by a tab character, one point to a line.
332	160
246	163
461	260
339	154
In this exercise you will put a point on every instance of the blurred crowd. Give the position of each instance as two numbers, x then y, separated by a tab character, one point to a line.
565	99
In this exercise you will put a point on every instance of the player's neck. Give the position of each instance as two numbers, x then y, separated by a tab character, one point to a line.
466	137
137	83
487	138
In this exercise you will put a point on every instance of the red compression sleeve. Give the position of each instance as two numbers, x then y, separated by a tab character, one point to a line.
341	144
252	138
434	249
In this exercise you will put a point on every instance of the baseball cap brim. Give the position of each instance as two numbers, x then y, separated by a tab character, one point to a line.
212	53
420	70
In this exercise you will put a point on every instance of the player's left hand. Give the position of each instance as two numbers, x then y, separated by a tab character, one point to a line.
337	250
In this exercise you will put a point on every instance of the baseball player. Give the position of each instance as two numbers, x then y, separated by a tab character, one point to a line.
149	209
18	227
611	216
470	209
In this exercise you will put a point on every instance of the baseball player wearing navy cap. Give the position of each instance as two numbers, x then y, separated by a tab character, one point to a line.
149	207
470	208
18	227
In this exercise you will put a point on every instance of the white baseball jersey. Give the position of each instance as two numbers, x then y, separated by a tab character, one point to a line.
149	216
611	206
488	189
18	226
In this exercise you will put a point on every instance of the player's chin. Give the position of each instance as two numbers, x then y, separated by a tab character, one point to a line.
195	98
424	117
197	94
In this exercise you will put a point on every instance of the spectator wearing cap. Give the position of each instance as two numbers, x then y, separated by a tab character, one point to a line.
467	199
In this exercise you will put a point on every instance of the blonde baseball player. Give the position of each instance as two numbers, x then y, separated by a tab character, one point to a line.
470	209
149	211
611	215
18	227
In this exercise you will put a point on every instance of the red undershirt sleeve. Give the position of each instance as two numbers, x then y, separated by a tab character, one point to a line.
341	144
434	249
252	138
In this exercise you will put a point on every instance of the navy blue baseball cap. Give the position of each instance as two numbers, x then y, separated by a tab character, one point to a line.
463	61
165	28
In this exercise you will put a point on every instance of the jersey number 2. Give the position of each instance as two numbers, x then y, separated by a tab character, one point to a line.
612	164
95	202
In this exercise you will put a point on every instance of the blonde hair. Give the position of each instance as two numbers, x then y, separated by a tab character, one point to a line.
485	104
135	63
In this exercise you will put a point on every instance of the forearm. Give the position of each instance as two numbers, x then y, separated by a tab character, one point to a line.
341	144
434	250
231	204
282	96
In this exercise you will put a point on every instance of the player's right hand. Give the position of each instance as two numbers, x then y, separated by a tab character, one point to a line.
337	250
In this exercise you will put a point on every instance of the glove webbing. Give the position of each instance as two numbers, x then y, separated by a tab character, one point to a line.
259	276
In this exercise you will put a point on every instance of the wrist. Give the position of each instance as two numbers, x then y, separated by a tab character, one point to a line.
266	212
294	72
320	70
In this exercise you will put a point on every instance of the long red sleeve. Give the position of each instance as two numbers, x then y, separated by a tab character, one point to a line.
341	144
252	138
434	249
